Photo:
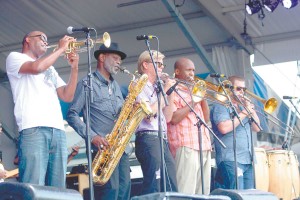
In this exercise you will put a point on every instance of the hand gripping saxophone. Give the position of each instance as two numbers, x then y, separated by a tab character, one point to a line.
131	115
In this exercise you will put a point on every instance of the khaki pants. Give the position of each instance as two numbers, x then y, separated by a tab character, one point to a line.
188	171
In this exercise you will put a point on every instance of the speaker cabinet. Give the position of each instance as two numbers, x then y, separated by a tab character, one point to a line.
250	194
136	187
77	182
25	191
178	196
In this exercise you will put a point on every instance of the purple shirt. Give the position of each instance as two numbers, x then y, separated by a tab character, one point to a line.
149	95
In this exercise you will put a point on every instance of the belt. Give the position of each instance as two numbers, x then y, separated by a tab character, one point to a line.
153	133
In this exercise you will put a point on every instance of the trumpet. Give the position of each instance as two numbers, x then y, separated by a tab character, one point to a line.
76	46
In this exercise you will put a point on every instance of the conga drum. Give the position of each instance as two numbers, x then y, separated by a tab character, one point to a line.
295	174
261	170
280	180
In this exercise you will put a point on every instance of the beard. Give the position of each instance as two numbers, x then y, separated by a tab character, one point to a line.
111	69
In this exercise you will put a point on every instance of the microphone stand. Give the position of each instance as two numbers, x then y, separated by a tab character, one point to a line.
199	123
294	106
232	115
159	91
88	100
250	120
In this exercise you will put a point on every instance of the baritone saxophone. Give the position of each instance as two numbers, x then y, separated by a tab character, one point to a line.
131	115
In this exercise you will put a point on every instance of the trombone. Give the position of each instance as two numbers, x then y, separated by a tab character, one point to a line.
272	118
76	46
200	89
218	93
270	105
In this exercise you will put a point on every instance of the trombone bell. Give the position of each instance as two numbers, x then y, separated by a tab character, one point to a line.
270	105
199	90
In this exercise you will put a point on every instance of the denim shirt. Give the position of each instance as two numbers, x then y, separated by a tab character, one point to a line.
218	114
104	110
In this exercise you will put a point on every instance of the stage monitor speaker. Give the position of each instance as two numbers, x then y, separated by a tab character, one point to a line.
250	194
25	191
178	196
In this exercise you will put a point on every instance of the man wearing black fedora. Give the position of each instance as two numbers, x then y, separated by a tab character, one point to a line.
104	110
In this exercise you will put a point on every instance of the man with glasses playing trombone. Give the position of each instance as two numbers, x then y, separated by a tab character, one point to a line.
223	126
36	87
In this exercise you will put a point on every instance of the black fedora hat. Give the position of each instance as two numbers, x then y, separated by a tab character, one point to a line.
113	48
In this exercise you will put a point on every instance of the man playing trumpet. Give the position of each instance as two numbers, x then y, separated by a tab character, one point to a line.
36	87
223	126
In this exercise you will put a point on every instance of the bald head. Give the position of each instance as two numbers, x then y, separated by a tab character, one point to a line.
182	62
184	69
34	44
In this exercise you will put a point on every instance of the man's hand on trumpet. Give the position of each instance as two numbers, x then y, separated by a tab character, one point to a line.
73	59
63	43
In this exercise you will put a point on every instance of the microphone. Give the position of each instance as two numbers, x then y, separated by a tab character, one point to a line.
289	97
229	86
216	75
145	37
171	89
71	29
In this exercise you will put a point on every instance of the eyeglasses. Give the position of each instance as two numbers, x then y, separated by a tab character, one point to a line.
237	88
42	37
158	64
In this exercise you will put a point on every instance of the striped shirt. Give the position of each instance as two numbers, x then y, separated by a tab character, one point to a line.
185	133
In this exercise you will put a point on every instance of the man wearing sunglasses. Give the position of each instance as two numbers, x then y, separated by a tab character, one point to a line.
36	87
223	126
147	143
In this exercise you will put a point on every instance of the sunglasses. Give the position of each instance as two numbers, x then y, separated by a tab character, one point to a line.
237	88
159	64
42	37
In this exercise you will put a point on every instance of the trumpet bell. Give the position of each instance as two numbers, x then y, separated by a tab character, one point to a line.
106	39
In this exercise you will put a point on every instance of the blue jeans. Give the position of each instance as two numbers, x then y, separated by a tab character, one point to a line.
225	176
43	156
148	154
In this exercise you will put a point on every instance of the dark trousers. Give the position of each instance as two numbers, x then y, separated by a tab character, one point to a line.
149	155
118	186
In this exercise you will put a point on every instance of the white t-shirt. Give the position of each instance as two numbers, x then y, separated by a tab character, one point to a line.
1	168
35	96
